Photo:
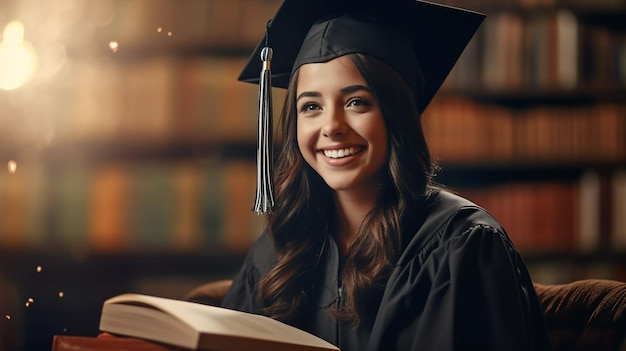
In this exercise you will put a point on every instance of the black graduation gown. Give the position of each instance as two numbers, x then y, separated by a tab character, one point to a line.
459	284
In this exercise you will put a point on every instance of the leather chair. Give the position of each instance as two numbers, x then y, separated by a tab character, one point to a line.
585	314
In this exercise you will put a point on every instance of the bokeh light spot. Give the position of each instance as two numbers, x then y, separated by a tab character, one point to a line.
113	45
12	166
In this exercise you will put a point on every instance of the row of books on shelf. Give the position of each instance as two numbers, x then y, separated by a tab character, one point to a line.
159	98
200	205
165	98
161	206
461	130
547	50
556	215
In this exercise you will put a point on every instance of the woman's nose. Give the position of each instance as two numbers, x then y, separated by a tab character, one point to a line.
334	123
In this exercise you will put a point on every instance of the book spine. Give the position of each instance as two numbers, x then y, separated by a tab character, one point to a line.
108	210
68	206
152	204
188	185
618	235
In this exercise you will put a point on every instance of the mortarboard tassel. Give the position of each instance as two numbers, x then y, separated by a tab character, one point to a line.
265	188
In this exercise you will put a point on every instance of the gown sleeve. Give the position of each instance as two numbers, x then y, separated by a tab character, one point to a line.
472	292
242	295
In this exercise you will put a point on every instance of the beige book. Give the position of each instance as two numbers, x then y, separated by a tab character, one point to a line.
201	327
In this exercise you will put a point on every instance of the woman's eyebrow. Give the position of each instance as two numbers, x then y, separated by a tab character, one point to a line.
308	94
354	88
346	90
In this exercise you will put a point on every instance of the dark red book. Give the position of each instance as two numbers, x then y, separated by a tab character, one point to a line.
83	343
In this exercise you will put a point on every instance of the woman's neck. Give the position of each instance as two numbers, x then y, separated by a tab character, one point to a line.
352	208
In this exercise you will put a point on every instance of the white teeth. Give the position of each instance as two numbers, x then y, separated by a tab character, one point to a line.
341	153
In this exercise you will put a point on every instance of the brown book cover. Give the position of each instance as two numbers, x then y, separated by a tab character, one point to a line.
84	343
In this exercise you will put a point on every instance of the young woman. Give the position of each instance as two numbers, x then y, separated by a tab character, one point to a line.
362	248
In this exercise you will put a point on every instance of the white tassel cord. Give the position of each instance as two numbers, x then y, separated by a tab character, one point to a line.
264	201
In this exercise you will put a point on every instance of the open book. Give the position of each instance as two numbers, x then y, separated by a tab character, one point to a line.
195	326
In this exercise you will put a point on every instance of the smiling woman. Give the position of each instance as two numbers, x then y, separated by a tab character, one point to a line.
362	248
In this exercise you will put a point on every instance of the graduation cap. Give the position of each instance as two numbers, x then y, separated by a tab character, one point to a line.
420	40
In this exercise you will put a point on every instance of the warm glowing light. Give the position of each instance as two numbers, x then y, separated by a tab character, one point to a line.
169	34
30	299
12	166
7	316
159	30
39	269
61	294
18	59
27	304
113	45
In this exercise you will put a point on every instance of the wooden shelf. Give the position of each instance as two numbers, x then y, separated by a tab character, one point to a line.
118	265
581	257
527	97
485	173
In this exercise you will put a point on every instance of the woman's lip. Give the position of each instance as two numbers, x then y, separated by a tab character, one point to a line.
338	162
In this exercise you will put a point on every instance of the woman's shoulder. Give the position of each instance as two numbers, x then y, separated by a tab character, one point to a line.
450	217
444	208
261	255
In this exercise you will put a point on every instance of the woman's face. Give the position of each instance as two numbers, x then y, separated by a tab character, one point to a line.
340	128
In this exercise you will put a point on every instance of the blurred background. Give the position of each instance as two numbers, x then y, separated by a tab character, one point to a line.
127	146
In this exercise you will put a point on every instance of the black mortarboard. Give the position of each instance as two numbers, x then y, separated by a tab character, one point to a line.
438	34
421	40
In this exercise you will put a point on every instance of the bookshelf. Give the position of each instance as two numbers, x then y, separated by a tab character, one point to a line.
135	166
532	124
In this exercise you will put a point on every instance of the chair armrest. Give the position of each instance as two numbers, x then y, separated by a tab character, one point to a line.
211	293
586	314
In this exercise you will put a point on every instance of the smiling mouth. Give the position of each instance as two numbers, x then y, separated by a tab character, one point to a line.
341	153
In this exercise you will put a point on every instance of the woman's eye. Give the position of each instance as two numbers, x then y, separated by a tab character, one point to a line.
309	106
357	102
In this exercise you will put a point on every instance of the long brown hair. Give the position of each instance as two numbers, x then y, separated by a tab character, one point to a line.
304	213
